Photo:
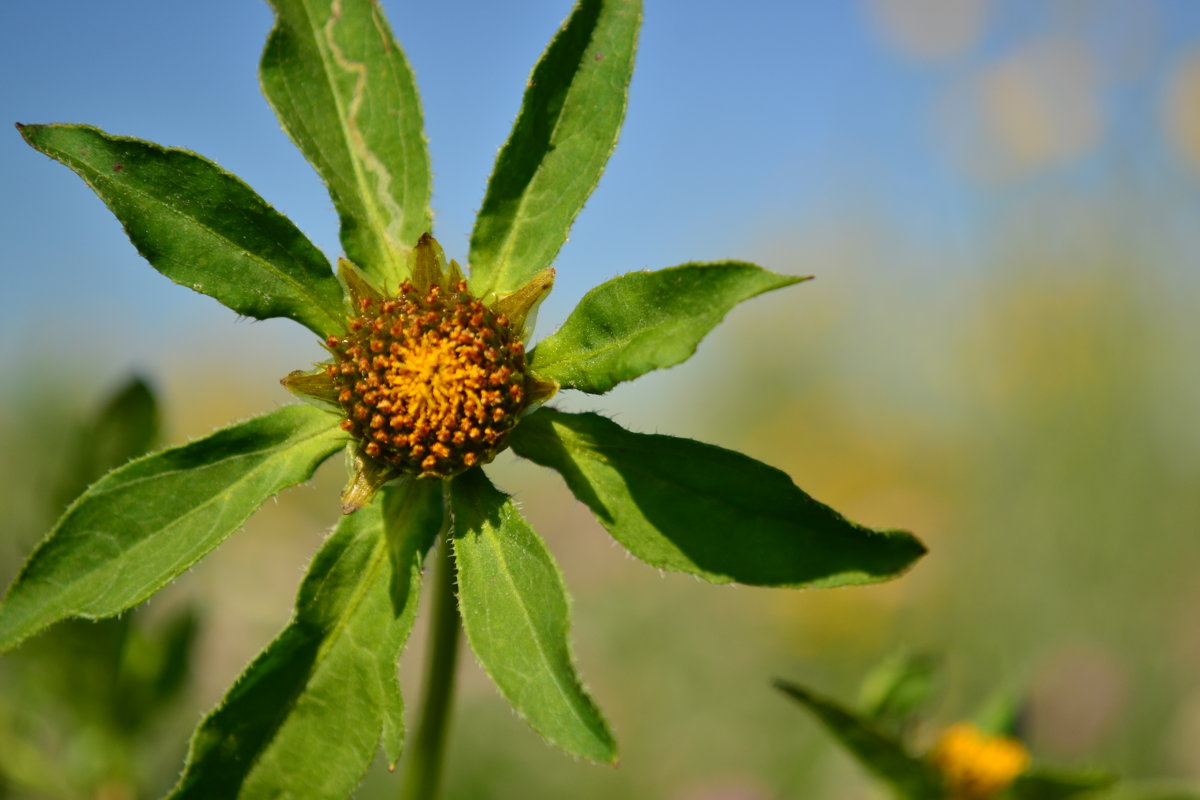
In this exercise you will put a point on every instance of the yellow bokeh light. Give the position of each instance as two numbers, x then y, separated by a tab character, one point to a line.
929	30
1039	107
1181	109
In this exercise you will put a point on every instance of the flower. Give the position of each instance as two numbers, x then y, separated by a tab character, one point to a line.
970	760
976	766
427	379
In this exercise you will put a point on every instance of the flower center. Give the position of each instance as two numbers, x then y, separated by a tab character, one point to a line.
430	384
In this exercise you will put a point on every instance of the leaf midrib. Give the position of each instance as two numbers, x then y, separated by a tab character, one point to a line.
518	216
332	635
586	356
585	442
677	321
138	545
542	646
378	230
128	188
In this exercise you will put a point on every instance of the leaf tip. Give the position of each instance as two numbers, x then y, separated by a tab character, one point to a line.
906	551
919	550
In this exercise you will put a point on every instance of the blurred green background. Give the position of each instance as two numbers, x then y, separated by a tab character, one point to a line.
1001	204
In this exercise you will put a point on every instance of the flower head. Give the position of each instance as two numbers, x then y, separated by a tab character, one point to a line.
976	766
429	380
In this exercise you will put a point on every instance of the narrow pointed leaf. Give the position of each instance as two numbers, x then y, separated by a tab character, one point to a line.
562	138
879	752
144	524
1043	784
1001	713
122	430
165	670
413	514
646	320
897	689
201	226
1155	790
690	507
515	612
344	92
308	714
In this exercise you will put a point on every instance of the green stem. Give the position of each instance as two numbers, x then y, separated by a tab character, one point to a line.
426	753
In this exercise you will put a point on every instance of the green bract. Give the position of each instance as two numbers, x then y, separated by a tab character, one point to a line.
308	714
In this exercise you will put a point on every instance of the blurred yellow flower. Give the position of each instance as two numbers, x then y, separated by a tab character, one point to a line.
976	766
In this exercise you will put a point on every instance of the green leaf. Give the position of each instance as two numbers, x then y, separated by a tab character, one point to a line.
645	321
201	226
562	138
879	752
1155	790
344	92
897	689
1000	714
307	715
154	667
124	428
143	525
1042	784
515	611
685	506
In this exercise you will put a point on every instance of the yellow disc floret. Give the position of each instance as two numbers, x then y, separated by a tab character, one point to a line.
976	766
430	382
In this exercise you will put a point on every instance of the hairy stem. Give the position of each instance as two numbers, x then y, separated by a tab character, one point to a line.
426	752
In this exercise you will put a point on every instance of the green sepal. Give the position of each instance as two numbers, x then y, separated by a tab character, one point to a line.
201	226
144	524
357	286
644	321
685	506
427	264
567	128
878	751
344	92
521	306
308	714
516	615
314	387
367	477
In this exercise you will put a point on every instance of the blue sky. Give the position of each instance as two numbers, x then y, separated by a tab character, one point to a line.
745	123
